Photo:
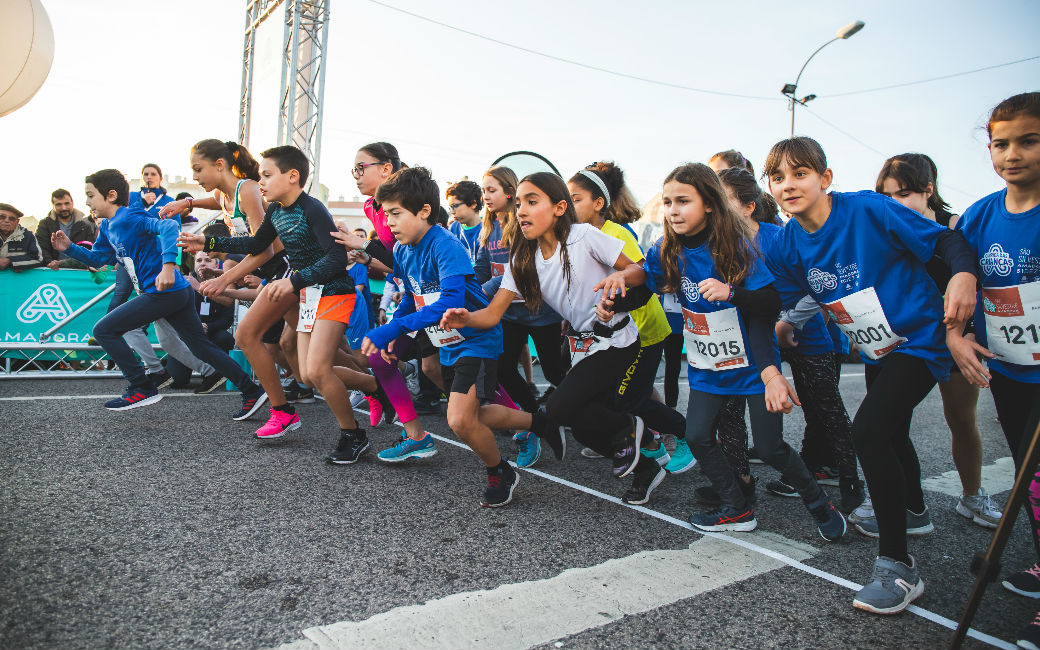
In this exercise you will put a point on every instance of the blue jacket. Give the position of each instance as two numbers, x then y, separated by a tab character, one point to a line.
140	242
153	209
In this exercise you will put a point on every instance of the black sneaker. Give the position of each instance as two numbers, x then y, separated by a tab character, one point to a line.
853	494
551	434
825	475
829	521
644	481
424	407
251	403
1024	583
752	456
352	444
500	487
710	496
627	456
533	389
160	379
209	383
297	393
1029	636
781	489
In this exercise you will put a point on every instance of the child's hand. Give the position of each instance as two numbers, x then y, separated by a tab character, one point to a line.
250	281
611	285
780	395
604	311
968	355
214	287
785	334
960	300
60	241
173	208
189	242
279	289
454	318
165	279
347	238
714	290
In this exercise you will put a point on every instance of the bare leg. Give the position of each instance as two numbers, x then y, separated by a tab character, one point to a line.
464	418
959	404
261	316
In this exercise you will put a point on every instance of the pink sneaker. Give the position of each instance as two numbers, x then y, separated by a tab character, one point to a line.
278	424
375	411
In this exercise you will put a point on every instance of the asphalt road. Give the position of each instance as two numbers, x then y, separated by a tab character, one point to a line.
171	527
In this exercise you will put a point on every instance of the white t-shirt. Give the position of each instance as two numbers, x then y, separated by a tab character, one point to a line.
592	256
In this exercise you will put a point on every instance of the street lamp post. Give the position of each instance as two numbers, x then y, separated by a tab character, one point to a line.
790	90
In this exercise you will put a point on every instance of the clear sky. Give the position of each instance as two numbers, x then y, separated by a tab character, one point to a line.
141	81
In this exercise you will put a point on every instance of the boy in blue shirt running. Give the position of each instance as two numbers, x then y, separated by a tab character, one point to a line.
147	247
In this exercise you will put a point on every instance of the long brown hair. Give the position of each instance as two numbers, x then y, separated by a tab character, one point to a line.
523	251
728	234
506	177
237	157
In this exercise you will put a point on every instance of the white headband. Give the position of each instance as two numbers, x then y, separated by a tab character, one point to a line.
594	177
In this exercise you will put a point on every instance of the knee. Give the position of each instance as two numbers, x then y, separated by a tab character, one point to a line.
287	341
459	423
101	332
431	366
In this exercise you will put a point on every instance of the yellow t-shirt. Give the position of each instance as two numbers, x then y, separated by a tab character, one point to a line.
650	318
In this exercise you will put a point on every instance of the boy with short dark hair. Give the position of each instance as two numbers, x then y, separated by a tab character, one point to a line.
147	247
465	199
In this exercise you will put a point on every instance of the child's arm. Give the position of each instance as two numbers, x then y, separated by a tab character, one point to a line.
482	319
407	319
780	396
628	274
100	254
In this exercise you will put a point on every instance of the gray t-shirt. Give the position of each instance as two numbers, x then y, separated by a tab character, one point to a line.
67	229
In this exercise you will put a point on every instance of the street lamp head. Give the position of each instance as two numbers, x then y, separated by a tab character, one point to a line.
850	29
789	89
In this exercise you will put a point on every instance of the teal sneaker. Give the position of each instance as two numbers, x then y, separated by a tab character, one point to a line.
407	448
529	448
660	454
682	458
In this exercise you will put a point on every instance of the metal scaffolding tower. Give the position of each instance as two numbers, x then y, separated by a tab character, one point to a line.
302	92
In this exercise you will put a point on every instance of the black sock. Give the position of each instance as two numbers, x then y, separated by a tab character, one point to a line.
285	408
357	433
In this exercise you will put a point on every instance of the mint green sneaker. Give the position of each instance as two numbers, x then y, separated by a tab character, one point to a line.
660	454
682	458
529	448
407	448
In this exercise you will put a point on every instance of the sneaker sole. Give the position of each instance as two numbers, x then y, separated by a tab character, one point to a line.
361	453
589	453
426	453
508	498
653	484
145	402
833	482
274	436
1015	590
968	514
302	400
911	596
637	444
844	529
685	468
256	407
207	391
165	384
741	527
789	495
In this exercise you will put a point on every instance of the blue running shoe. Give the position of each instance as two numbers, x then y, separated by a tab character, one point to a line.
529	448
828	520
682	458
134	398
660	454
893	586
407	448
725	518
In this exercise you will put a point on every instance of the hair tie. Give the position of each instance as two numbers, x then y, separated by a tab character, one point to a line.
594	177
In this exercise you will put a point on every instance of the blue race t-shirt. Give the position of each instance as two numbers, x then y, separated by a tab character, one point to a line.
1007	315
813	338
715	332
469	236
866	266
439	258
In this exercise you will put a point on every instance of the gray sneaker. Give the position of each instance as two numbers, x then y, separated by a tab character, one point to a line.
980	508
864	511
916	525
893	586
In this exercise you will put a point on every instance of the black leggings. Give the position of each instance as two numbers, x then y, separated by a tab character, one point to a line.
673	365
635	396
586	400
881	433
547	340
828	431
732	432
1018	407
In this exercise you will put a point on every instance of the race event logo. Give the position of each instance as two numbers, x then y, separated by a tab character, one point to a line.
1002	301
690	290
820	281
47	301
996	261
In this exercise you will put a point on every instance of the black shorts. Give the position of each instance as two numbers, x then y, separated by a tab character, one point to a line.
274	333
275	268
420	347
472	371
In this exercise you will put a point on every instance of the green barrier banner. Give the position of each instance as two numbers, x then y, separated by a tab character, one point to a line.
33	301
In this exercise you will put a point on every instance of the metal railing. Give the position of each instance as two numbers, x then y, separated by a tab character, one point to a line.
57	361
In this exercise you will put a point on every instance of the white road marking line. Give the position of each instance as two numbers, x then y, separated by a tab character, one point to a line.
33	398
737	541
997	477
572	602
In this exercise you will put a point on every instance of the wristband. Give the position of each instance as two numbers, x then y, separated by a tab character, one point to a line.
779	374
730	299
191	204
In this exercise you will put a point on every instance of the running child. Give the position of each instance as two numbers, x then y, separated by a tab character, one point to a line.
465	202
147	248
862	257
1003	230
438	275
730	308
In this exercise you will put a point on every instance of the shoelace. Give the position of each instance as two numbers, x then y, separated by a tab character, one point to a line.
1034	571
494	481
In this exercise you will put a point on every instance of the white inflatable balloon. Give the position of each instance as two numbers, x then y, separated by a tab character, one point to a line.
26	51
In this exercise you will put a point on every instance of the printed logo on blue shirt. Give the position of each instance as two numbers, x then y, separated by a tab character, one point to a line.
820	281
689	289
996	261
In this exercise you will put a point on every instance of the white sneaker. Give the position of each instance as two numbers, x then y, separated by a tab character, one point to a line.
411	377
863	512
980	508
357	398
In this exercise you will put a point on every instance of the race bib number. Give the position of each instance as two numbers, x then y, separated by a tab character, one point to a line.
439	336
714	340
238	226
1012	322
863	320
131	270
309	299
